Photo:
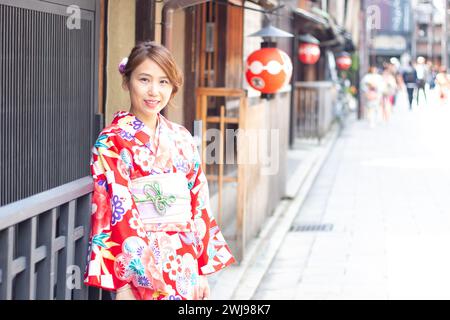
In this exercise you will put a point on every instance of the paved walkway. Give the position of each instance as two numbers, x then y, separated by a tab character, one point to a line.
382	199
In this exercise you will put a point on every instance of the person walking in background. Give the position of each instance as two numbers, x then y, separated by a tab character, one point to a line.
443	84
400	86
432	75
395	68
422	76
390	90
409	75
372	88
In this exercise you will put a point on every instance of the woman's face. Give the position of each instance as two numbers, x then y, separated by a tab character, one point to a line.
150	89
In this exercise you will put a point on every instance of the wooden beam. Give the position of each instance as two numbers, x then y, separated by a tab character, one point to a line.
213	177
145	20
221	157
225	119
202	45
204	111
220	92
241	188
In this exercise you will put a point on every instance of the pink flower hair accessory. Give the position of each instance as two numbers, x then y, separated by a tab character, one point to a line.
122	65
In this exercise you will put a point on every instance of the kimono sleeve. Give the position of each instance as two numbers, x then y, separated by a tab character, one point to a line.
117	232
214	253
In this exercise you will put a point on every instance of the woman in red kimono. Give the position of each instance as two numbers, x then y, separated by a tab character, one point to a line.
153	235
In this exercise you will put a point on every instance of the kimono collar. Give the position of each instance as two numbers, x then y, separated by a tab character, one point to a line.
133	128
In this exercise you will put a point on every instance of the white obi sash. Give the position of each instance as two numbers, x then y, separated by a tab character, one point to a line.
162	198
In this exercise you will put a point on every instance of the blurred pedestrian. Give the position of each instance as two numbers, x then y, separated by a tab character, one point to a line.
395	68
389	92
422	76
409	75
443	84
432	75
372	87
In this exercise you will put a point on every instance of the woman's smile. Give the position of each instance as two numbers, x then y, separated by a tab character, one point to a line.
152	103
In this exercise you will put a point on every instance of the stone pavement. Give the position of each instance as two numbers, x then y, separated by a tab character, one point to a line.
382	201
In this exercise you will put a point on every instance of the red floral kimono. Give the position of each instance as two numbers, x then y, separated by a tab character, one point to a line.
159	260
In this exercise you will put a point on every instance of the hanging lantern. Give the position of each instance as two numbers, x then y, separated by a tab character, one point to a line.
268	70
344	61
308	50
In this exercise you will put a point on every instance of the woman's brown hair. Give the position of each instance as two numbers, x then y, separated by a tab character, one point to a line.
161	56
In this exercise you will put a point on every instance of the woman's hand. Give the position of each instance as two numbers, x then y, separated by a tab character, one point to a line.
204	291
125	293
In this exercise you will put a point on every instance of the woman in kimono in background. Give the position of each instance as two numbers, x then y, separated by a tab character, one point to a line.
152	235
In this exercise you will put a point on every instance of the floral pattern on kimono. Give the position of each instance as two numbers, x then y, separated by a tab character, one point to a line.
165	260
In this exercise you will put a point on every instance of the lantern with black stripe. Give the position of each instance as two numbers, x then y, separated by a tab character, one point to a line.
344	61
269	68
308	50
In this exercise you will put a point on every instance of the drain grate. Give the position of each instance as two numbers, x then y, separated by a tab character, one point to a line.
325	227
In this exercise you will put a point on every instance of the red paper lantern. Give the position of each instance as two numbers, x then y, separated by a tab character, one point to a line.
309	53
344	62
268	70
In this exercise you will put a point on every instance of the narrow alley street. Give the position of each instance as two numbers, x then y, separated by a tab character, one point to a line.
376	222
225	151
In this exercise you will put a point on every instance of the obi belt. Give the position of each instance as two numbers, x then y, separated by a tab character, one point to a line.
163	202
